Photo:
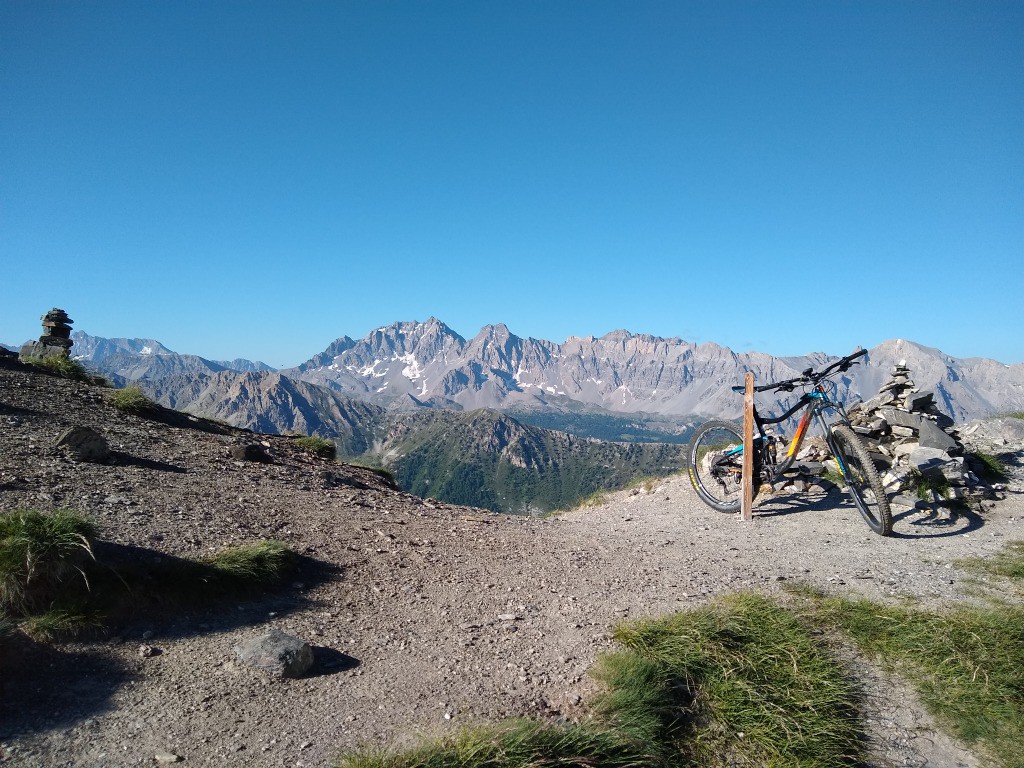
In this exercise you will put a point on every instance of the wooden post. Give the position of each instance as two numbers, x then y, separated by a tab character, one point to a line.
747	478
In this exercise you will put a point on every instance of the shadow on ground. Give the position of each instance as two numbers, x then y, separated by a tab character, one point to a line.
934	521
172	596
125	459
328	661
142	595
44	687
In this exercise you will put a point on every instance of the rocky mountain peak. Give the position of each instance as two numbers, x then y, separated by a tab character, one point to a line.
86	346
407	365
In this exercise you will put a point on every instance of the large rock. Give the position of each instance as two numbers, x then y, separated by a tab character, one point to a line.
84	444
933	462
277	653
920	401
896	417
931	436
250	452
37	350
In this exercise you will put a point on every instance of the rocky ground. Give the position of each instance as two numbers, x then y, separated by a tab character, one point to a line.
435	616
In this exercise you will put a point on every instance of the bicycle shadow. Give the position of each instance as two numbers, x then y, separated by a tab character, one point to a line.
936	520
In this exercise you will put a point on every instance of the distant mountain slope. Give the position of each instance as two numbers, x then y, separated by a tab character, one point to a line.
491	460
133	359
266	401
428	363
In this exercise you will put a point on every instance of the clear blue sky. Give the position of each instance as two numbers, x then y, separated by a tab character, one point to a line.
255	179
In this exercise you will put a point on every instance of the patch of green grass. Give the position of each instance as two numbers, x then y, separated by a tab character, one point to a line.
645	484
51	585
131	399
832	475
66	368
988	466
262	563
516	744
60	623
318	446
7	627
595	499
1008	562
383	473
741	681
38	554
967	665
1015	415
928	487
152	578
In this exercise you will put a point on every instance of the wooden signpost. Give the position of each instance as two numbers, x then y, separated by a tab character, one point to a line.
747	477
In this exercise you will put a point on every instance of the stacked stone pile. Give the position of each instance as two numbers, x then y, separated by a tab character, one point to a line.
55	340
912	441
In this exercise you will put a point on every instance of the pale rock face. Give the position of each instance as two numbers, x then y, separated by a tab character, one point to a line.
410	365
626	372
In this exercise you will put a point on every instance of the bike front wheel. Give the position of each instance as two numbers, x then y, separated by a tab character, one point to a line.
862	480
716	465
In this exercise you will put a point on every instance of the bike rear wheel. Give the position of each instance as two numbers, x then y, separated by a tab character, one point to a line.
716	464
862	480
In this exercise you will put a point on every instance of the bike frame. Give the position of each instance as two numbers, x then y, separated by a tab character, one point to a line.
815	403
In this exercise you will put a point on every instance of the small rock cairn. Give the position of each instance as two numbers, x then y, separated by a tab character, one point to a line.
911	439
55	340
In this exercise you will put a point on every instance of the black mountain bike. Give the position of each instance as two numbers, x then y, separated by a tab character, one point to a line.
716	449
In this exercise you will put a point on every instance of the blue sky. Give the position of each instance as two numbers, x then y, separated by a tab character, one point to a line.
255	179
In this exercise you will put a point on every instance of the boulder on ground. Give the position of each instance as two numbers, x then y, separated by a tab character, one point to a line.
84	444
250	452
276	653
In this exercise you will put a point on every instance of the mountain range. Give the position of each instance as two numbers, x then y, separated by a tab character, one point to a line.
516	424
411	365
406	365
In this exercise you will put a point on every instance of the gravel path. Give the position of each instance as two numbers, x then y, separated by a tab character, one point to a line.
440	615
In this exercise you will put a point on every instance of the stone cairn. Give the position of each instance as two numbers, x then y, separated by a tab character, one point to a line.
55	340
911	440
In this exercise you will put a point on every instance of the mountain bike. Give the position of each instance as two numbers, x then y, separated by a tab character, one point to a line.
716	449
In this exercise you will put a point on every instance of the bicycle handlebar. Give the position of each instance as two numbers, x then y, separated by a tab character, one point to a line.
809	376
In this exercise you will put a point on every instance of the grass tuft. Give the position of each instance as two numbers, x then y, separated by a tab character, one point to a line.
262	563
60	623
516	744
7	627
645	484
741	680
52	586
131	399
640	697
967	664
988	466
318	446
834	476
38	553
595	499
1008	562
383	473
66	368
929	487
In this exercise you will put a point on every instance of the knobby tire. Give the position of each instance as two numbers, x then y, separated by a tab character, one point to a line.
862	480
